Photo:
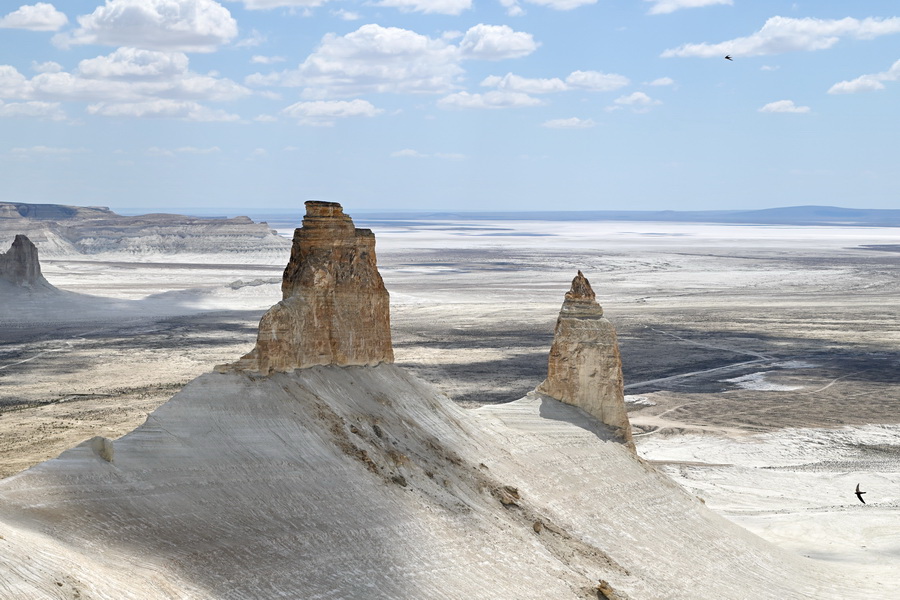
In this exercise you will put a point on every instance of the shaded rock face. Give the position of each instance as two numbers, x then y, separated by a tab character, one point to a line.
585	368
335	308
20	266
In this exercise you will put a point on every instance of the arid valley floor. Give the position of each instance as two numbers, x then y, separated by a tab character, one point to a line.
761	363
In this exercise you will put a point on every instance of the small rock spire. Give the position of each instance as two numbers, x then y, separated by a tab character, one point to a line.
584	367
21	267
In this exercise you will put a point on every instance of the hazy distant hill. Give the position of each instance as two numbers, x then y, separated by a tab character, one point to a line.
60	230
791	215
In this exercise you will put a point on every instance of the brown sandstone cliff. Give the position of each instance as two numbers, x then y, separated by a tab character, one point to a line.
335	308
20	266
584	367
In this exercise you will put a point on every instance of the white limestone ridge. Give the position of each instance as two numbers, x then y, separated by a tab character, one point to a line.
365	482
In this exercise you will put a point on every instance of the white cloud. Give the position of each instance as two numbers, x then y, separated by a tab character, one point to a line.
443	7
661	7
253	40
266	60
592	81
33	109
322	112
784	106
373	59
596	81
166	109
13	84
37	17
572	123
512	8
495	99
496	42
784	34
769	68
637	101
867	83
134	77
662	81
135	65
515	83
267	4
174	25
407	153
562	4
346	15
46	67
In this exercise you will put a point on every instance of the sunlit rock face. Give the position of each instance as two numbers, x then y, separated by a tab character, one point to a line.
584	368
20	267
335	308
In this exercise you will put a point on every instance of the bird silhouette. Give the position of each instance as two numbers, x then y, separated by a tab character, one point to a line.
728	57
859	494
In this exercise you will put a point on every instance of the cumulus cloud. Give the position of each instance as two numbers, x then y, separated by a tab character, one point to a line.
638	102
443	7
661	7
495	99
37	17
33	109
784	106
512	8
174	25
562	4
662	81
376	59
596	81
46	67
267	4
867	83
784	34
593	81
515	83
127	75
572	123
324	112
496	42
266	60
166	109
346	15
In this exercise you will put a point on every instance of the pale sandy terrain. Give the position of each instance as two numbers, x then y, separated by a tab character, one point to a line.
761	361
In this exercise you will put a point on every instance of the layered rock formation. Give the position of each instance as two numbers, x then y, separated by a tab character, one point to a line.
20	266
335	308
76	230
584	367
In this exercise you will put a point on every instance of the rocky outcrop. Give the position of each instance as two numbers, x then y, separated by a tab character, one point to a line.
335	308
584	368
20	266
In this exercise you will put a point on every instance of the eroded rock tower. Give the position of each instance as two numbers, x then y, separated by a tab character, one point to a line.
584	368
335	309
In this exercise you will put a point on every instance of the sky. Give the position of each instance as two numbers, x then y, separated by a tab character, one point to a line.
248	106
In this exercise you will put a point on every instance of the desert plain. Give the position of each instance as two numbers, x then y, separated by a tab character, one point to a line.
761	363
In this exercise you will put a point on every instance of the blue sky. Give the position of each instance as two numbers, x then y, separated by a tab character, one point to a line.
249	106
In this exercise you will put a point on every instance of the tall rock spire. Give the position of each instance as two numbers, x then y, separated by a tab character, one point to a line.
584	368
335	308
20	266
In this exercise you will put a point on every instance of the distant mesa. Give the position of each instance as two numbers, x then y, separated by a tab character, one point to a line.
21	269
584	367
335	308
62	231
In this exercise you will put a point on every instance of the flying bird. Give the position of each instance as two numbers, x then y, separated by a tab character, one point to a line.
859	494
728	57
